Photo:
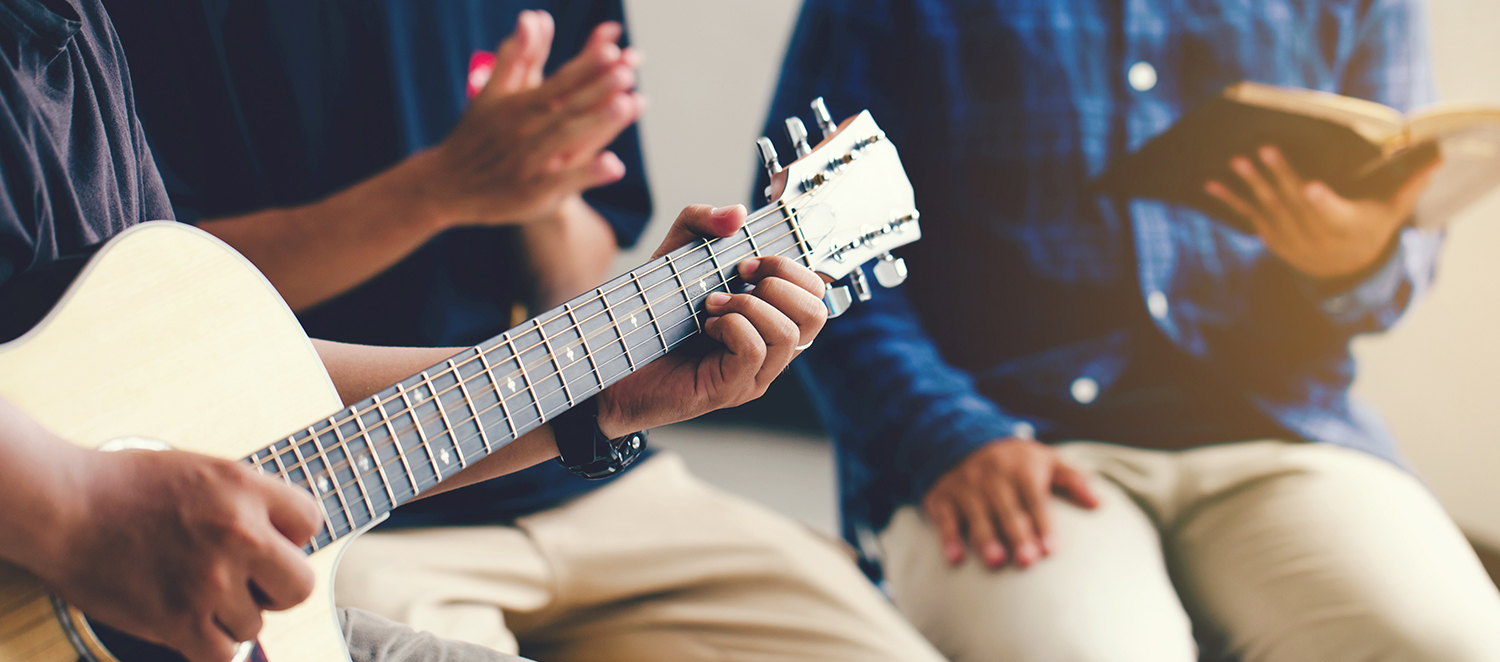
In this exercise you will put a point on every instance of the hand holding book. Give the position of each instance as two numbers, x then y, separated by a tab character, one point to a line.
1311	226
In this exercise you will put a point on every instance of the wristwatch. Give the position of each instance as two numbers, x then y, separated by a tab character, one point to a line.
585	450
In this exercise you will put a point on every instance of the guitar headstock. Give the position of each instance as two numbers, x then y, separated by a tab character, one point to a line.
850	200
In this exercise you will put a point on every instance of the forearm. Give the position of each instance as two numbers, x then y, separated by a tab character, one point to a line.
360	371
317	251
568	254
38	487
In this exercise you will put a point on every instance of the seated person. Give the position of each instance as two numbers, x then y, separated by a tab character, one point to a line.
391	210
1103	429
92	525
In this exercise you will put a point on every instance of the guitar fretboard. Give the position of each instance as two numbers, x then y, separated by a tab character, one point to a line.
367	459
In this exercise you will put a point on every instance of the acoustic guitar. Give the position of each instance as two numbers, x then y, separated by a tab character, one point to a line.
170	339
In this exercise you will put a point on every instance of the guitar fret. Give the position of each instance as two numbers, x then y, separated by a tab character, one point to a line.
463	387
624	346
682	289
583	338
385	481
750	236
568	393
353	469
437	399
525	379
650	311
421	434
333	480
504	408
287	476
327	518
396	442
718	268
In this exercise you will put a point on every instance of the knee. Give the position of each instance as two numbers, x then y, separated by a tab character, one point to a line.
1437	638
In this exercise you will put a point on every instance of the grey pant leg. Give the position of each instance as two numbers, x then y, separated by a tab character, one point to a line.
373	638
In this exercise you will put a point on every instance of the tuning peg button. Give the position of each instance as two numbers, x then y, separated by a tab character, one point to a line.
838	299
824	119
797	131
860	283
890	271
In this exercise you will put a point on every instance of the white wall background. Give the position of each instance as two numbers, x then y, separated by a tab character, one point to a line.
710	70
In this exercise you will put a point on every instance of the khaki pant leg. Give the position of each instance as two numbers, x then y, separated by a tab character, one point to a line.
659	566
1103	594
455	582
1315	552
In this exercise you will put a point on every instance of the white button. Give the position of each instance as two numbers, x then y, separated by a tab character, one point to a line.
1156	302
1023	430
1142	76
1085	390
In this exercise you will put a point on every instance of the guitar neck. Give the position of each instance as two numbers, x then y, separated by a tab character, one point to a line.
367	459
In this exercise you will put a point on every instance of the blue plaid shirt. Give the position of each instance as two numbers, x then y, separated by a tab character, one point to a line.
1037	308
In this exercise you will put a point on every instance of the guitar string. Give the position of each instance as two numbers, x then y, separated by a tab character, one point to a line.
452	433
315	434
516	353
635	278
608	308
332	467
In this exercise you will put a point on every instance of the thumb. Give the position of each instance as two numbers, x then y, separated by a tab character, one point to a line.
512	59
1405	199
1074	485
698	221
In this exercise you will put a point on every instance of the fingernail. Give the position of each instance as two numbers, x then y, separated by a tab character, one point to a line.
1049	543
718	299
1269	153
1240	164
1026	554
723	212
954	552
748	267
1314	191
1211	186
994	554
610	52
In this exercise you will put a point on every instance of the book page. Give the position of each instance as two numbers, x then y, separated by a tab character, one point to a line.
1375	122
1470	146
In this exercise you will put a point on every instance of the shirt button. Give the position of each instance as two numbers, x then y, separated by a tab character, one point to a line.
1156	302
1023	430
1142	76
1085	390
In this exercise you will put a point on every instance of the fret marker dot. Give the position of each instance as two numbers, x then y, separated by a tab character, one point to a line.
364	463
570	353
443	456
322	484
634	323
703	286
512	385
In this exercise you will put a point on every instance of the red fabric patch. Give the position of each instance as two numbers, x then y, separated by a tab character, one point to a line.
481	65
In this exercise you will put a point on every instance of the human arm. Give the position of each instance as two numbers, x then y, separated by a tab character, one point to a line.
523	146
176	548
1360	260
567	254
755	335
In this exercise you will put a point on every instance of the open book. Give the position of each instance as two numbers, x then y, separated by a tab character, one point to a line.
1361	148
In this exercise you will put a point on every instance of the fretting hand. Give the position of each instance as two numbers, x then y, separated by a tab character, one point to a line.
756	335
525	144
998	498
1315	230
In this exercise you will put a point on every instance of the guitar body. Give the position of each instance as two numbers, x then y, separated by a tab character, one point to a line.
167	335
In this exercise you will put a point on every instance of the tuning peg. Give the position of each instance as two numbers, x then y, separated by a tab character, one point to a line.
825	120
890	271
798	133
860	283
768	158
838	299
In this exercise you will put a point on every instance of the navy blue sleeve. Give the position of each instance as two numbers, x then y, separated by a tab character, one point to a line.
880	381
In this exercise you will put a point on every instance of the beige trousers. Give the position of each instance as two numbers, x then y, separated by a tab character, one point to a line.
655	566
1277	552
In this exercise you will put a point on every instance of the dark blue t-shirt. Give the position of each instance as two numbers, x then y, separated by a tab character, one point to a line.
74	165
251	104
